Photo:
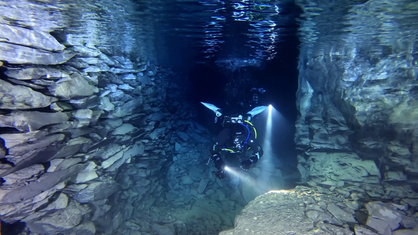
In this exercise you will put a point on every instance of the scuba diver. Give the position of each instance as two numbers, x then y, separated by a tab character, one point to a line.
237	136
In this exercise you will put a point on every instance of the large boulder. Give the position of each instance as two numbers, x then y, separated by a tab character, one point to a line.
286	212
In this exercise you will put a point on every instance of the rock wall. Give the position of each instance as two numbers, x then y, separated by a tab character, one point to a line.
357	98
74	109
95	138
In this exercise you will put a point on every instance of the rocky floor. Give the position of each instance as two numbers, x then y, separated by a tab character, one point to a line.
316	210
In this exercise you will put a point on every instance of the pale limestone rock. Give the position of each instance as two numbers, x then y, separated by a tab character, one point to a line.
15	139
23	174
44	183
163	229
67	163
106	104
129	76
105	93
395	176
136	149
31	120
363	230
97	191
83	114
106	59
92	69
340	214
39	199
405	232
30	37
124	129
53	164
126	109
86	229
89	60
186	180
83	51
75	87
60	203
125	87
383	217
121	70
87	174
83	177
112	160
202	185
36	144
343	167
39	72
60	220
112	123
131	225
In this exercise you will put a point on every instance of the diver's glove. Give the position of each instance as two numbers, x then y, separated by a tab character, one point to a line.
219	163
245	165
220	174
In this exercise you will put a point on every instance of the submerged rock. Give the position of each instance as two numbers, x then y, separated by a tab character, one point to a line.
344	167
60	220
23	175
282	212
112	159
39	72
86	103
31	120
96	191
106	105
383	217
126	109
85	229
21	97
75	87
45	182
16	54
30	38
340	214
124	129
83	51
87	174
163	229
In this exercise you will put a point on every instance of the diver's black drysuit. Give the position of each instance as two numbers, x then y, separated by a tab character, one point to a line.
237	136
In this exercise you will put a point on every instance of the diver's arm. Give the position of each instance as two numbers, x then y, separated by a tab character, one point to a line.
258	153
216	149
219	164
